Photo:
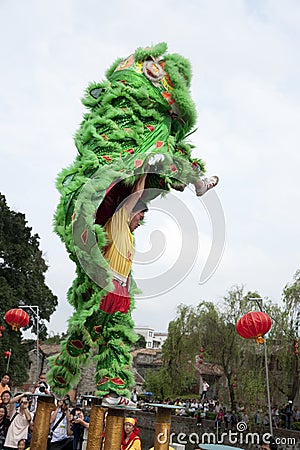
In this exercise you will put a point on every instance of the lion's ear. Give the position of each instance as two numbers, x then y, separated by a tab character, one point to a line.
93	93
113	67
141	54
179	69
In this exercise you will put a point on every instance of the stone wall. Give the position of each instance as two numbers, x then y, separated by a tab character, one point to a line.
144	359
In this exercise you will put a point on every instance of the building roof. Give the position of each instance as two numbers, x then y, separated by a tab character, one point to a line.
209	369
146	351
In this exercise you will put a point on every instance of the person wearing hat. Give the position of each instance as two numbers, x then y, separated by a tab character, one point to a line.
130	435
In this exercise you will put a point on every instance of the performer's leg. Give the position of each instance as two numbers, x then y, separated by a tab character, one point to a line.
114	375
205	184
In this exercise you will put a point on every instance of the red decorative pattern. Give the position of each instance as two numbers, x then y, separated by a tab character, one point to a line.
168	97
107	158
84	236
117	381
98	329
102	380
77	344
138	163
60	379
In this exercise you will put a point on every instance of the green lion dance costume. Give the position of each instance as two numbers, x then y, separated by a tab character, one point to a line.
141	114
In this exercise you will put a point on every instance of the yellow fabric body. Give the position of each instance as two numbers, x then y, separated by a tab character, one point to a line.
134	445
120	249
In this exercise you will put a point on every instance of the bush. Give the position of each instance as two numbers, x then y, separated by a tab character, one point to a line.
296	426
210	415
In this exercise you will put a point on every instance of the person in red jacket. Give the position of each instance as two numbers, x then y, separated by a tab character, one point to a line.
130	435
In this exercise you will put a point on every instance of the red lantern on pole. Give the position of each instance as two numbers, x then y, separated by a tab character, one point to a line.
2	328
17	318
201	355
254	324
6	354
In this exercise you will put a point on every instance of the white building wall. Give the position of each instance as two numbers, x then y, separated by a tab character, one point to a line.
154	339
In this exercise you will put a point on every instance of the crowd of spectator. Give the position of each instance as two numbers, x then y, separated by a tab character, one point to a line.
224	417
68	425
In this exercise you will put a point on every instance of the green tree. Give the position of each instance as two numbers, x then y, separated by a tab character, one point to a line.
221	342
284	332
159	383
214	328
140	343
178	354
22	282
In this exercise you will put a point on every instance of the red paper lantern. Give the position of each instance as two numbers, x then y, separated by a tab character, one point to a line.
17	318
6	354
2	328
201	355
254	324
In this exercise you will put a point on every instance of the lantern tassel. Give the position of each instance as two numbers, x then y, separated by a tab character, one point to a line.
259	339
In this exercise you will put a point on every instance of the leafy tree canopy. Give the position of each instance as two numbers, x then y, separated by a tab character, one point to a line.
22	282
213	327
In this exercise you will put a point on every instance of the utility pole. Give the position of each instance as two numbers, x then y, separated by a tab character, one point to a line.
35	310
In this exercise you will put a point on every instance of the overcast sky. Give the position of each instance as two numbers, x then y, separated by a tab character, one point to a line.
245	60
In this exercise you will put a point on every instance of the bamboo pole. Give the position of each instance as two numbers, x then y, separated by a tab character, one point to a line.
96	427
113	429
162	428
45	406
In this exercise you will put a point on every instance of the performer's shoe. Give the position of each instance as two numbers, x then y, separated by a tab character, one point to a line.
110	400
205	184
155	159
